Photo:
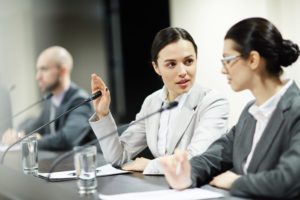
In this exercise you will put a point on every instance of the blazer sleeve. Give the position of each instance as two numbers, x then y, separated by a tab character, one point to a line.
120	149
280	182
217	159
211	124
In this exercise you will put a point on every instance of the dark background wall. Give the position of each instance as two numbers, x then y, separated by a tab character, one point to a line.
109	37
139	21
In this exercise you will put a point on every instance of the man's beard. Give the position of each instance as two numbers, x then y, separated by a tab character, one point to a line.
53	85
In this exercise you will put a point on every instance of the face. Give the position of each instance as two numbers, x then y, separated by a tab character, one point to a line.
48	74
176	64
235	67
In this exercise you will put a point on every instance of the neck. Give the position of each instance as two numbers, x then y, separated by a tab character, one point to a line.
64	84
264	89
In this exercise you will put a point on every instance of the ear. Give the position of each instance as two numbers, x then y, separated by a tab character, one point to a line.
155	67
63	70
254	60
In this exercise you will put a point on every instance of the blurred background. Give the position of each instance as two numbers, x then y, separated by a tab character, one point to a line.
113	38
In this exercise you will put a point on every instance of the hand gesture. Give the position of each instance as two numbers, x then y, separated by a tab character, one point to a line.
101	104
177	170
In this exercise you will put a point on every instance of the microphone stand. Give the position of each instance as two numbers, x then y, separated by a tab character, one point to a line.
94	96
67	154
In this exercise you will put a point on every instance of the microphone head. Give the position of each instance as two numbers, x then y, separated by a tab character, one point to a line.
172	105
48	96
169	106
96	95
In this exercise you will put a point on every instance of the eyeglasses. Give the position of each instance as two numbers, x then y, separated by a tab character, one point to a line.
226	60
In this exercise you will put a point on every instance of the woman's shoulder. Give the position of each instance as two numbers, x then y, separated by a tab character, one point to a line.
207	94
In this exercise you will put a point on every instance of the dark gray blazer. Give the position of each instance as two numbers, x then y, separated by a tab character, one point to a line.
274	170
71	129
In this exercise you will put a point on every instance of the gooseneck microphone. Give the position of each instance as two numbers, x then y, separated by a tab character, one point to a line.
67	154
93	97
46	97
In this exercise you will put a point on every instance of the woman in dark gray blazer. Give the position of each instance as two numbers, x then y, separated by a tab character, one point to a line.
262	151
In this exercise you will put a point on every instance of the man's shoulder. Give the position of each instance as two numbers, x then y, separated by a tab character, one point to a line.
77	92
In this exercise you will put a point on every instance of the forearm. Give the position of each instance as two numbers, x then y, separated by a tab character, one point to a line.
271	184
106	132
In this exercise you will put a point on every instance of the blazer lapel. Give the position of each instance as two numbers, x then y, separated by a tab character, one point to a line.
184	117
153	128
183	120
273	128
244	142
266	140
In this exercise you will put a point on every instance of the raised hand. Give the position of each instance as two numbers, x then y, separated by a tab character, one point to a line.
101	104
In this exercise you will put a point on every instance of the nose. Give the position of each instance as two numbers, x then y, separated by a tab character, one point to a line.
224	70
182	71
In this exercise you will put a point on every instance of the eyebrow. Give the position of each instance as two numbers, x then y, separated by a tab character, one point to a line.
170	60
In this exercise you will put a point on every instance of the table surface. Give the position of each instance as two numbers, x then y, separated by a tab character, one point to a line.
115	184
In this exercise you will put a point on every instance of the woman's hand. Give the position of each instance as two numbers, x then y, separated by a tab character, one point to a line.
139	164
10	136
177	170
101	104
224	180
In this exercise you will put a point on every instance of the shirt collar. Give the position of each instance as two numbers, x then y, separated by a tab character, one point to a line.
181	99
57	99
267	108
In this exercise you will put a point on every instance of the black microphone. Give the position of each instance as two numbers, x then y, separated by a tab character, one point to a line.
93	97
67	154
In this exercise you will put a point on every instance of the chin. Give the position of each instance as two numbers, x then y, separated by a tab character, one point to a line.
236	89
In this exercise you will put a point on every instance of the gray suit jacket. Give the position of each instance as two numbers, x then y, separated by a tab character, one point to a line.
274	170
202	120
71	129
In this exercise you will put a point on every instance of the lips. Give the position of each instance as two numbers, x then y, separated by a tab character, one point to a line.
183	81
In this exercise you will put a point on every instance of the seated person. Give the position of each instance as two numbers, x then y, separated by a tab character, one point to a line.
199	119
54	66
262	151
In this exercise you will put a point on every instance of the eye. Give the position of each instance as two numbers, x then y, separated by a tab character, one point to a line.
189	62
171	65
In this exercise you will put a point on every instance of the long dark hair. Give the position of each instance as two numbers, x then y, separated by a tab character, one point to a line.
262	36
167	36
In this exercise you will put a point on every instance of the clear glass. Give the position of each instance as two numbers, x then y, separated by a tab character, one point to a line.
85	162
30	155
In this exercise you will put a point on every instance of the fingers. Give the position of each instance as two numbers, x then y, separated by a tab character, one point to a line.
169	165
97	84
10	136
127	167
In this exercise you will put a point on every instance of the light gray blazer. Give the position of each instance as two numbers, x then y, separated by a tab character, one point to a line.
274	170
202	120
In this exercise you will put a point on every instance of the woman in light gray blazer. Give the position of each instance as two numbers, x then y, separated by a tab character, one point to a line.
263	149
199	119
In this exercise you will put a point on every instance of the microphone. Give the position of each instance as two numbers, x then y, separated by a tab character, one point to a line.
67	154
93	97
46	97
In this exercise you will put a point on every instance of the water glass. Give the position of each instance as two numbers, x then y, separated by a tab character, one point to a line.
30	155
85	162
